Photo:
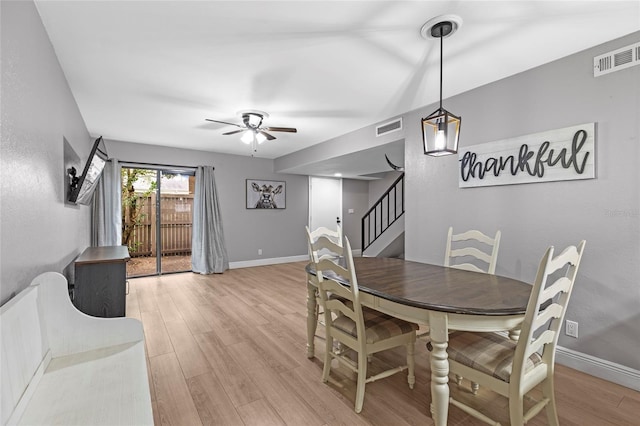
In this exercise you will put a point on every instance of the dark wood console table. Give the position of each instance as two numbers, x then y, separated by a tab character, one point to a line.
101	280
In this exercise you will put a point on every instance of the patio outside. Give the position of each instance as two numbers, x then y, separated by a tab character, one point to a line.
140	266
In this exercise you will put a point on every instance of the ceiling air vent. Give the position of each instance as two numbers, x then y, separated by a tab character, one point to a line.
616	60
389	127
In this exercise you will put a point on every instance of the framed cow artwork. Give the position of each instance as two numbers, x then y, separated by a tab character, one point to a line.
266	194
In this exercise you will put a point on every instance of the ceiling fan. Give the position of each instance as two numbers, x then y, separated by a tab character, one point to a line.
251	127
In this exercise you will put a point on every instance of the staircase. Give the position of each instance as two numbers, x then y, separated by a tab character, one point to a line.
383	224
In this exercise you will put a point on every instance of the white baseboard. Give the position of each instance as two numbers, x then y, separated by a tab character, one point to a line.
598	367
276	260
263	262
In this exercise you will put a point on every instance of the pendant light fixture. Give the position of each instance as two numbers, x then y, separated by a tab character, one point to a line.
441	128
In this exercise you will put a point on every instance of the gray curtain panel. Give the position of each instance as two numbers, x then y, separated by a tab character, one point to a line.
106	226
208	251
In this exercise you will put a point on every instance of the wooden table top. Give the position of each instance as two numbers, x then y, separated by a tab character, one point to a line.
439	288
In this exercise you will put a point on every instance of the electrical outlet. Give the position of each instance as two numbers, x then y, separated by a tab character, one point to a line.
259	252
571	329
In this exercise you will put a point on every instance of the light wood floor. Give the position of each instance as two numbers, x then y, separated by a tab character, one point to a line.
229	349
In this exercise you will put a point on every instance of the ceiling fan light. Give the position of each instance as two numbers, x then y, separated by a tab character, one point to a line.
247	137
260	138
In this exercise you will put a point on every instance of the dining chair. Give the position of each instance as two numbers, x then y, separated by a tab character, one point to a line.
358	328
510	368
479	246
325	253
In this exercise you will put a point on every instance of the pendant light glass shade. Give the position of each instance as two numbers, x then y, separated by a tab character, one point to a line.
440	133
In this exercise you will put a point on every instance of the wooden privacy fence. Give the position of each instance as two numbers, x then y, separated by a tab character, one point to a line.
176	223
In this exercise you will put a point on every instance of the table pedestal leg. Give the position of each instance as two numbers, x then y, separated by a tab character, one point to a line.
312	320
439	368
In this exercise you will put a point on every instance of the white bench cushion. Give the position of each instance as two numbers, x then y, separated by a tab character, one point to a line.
101	387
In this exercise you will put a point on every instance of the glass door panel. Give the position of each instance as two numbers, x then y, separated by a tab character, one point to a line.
138	219
176	221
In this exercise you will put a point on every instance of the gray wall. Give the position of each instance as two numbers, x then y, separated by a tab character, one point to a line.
279	233
605	211
39	231
355	195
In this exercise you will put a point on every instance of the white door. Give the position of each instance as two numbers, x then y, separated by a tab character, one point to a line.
325	202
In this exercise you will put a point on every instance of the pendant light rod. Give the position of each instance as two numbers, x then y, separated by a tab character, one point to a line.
441	56
441	30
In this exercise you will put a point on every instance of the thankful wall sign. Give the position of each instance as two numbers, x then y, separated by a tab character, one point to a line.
561	154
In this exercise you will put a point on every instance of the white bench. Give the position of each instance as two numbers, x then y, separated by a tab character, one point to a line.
62	367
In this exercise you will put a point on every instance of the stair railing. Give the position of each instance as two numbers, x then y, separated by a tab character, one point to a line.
388	208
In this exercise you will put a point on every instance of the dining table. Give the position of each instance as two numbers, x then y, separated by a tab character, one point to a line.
444	298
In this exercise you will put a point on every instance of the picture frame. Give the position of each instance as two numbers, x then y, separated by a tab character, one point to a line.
266	194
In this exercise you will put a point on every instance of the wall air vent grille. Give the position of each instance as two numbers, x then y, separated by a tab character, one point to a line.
389	127
616	60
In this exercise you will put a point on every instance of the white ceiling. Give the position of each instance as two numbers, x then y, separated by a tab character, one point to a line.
152	71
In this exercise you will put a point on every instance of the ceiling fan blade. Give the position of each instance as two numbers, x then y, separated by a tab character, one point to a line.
223	122
266	135
233	132
281	129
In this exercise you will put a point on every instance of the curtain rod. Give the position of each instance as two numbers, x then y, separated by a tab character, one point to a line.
158	165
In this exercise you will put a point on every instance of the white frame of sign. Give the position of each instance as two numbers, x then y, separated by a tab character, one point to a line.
553	155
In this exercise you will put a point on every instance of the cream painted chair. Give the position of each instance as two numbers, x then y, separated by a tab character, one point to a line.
478	248
455	253
315	256
513	369
360	329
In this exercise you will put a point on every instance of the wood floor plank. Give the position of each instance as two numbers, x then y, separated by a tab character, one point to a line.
132	308
260	413
273	349
225	329
174	403
188	311
168	308
240	311
284	398
236	382
156	414
256	364
146	292
213	405
191	359
332	407
152	386
155	334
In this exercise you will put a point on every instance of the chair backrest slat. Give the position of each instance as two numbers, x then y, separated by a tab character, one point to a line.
334	236
473	236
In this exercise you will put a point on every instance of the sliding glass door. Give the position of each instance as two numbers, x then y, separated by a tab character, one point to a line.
157	208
